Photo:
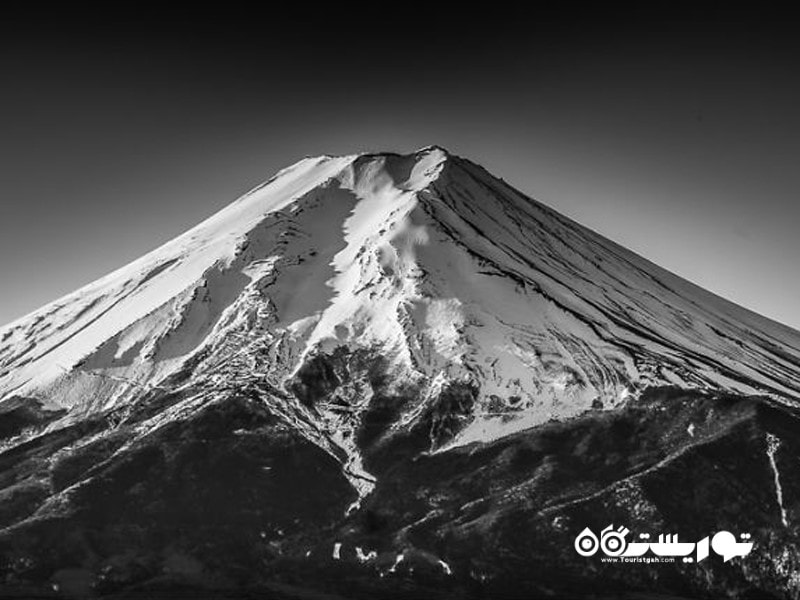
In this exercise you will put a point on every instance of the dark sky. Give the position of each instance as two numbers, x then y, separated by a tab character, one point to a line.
676	134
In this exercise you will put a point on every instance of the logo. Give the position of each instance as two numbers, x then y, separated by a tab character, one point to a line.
613	543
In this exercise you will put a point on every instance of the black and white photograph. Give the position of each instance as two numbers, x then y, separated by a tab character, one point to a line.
400	302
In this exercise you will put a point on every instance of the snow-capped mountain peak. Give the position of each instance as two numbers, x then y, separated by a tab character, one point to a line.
386	372
425	267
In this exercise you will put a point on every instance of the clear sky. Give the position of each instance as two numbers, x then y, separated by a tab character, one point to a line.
674	134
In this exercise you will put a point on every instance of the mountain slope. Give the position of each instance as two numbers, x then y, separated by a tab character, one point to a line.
374	319
428	258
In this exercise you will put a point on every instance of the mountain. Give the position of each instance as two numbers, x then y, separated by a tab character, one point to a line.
388	375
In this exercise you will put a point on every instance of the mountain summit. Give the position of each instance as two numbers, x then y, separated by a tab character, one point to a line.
424	260
367	312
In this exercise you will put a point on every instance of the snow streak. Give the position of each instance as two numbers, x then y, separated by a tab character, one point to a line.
773	444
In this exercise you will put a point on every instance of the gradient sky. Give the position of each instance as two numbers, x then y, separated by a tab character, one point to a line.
676	135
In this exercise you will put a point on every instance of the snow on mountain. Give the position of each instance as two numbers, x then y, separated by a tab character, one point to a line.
446	275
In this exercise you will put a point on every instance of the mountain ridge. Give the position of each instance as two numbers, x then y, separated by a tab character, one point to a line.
217	239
